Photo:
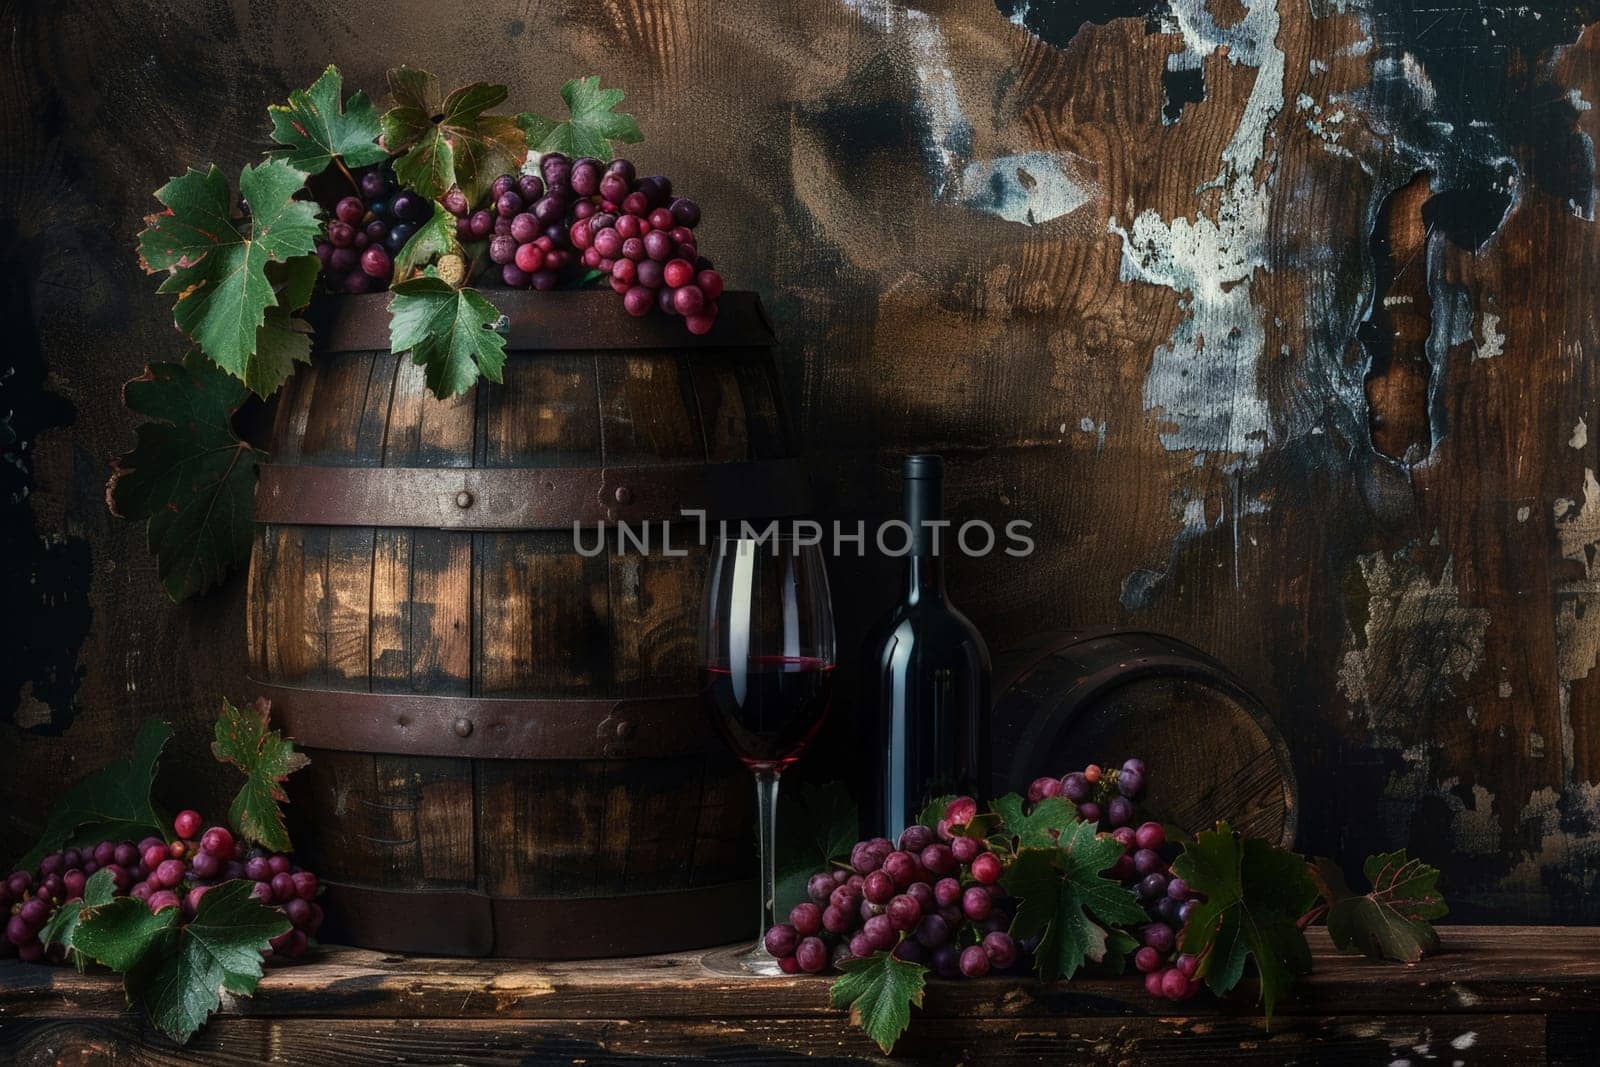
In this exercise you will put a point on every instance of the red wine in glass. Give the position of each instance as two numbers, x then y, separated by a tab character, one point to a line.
767	667
771	709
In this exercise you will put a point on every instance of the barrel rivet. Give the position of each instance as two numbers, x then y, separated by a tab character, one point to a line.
624	730
624	495
463	499
463	727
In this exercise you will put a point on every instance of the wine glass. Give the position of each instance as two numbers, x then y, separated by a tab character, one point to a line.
767	672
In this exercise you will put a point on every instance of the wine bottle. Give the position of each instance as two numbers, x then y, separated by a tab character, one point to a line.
926	674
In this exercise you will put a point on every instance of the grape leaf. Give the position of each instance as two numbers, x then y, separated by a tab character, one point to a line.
245	739
188	474
63	923
591	125
318	126
283	339
111	804
178	974
816	825
1393	920
1040	828
1119	946
433	238
1254	896
464	147
452	333
934	811
122	931
218	273
880	991
1065	899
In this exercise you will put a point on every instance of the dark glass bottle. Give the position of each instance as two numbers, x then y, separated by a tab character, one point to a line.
927	677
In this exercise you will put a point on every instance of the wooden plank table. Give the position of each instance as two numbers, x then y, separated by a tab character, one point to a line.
1523	995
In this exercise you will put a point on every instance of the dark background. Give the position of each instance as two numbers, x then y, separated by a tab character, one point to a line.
1112	259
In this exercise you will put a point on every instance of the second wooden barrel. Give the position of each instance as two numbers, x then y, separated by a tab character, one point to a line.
508	755
1067	699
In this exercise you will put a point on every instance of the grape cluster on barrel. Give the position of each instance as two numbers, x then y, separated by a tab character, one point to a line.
367	231
1107	797
933	898
524	224
538	231
162	875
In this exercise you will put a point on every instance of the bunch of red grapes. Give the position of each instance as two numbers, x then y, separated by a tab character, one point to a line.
540	228
935	900
1106	797
525	225
367	231
162	875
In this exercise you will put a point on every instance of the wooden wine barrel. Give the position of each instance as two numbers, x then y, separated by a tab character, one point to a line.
508	756
1068	699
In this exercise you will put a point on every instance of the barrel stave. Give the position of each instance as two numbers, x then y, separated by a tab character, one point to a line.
486	614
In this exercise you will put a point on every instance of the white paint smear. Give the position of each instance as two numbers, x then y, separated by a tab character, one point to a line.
1494	342
1204	379
1580	435
1029	188
949	131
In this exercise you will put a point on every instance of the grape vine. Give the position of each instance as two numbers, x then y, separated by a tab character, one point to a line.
184	912
1069	879
437	200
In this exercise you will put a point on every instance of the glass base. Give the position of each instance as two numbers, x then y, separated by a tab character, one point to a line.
742	959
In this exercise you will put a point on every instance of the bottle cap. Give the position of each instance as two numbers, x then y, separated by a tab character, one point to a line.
924	465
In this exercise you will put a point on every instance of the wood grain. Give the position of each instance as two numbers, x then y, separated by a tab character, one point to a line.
1191	437
1493	994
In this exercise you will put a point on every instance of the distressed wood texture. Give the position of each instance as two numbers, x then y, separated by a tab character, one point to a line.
1493	995
1143	270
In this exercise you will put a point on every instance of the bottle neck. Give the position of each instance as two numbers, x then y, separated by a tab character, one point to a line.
924	499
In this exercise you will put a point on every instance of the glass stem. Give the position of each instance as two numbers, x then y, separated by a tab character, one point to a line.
767	836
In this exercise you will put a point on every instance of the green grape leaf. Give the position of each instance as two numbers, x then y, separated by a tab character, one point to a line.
188	474
452	333
218	273
816	826
245	739
934	811
1040	828
1068	901
121	932
63	923
1119	946
1393	921
450	141
880	992
283	339
318	126
179	973
591	126
111	804
433	238
1254	896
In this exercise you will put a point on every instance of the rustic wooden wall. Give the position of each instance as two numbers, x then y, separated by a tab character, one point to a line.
1113	258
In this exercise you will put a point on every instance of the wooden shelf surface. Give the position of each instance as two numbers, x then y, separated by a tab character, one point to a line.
1492	994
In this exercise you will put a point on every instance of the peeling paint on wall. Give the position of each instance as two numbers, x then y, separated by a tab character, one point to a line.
1409	644
1030	188
1578	600
1493	342
1204	380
